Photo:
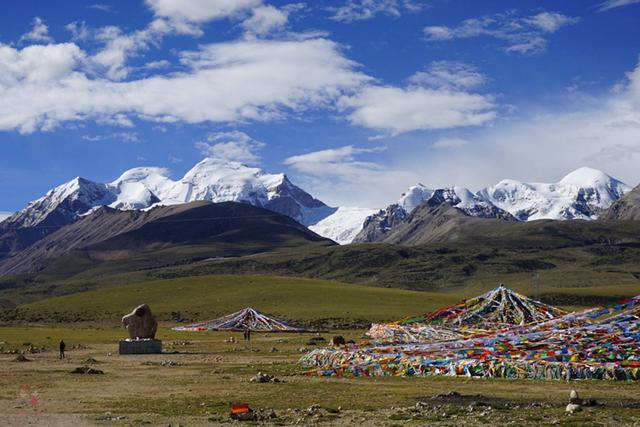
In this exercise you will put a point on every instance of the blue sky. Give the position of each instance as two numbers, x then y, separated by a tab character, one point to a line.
354	99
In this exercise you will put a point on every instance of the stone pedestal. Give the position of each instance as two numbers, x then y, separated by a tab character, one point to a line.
141	346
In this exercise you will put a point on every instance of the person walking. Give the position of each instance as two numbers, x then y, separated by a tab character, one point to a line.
62	347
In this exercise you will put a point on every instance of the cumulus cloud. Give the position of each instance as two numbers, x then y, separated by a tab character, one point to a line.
449	74
602	133
396	110
264	20
199	11
120	47
233	146
358	10
524	35
612	4
39	32
43	86
363	182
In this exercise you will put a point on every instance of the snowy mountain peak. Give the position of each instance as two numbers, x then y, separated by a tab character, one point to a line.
586	176
139	188
214	180
582	194
62	204
414	196
469	203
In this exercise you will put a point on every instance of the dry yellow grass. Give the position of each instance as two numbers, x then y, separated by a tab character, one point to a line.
211	375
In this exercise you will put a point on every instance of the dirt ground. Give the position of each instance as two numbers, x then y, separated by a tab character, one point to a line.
199	376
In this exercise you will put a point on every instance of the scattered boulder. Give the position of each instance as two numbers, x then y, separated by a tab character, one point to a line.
572	407
21	358
574	398
264	378
575	403
87	370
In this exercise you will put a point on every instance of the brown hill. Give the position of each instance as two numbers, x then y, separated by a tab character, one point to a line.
199	229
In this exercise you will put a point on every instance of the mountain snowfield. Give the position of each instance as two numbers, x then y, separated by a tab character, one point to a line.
343	225
5	215
582	194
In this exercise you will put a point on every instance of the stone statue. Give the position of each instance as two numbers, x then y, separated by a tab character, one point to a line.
140	323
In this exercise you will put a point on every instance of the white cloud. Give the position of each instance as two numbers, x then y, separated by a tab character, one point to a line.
4	215
612	4
39	32
79	30
397	110
524	35
316	160
199	11
449	74
448	143
265	19
120	47
43	86
550	22
358	10
173	159
233	146
120	136
602	133
340	177
156	65
101	7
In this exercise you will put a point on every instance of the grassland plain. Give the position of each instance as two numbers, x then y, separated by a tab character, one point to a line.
200	375
312	301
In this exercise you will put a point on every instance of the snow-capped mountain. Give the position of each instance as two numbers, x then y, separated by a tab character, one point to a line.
343	225
469	203
381	223
582	194
218	180
62	205
140	188
413	197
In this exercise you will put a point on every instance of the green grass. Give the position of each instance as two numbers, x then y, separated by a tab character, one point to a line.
207	296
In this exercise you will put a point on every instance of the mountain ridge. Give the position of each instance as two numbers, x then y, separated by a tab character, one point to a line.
584	193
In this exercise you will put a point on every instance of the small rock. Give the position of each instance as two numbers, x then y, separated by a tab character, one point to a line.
87	370
574	398
573	407
21	358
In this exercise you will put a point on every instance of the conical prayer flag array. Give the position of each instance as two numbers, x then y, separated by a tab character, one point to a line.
600	343
242	320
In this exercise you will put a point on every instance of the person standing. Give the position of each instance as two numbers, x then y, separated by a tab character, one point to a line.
62	347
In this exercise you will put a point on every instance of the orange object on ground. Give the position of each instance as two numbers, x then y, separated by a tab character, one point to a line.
241	408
